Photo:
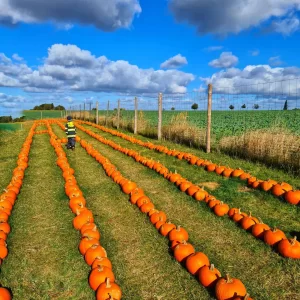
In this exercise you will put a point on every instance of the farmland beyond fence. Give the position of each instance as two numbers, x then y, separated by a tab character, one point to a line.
260	121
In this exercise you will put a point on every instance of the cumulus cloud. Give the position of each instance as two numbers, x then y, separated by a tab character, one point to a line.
254	52
275	61
8	101
214	48
105	15
212	16
69	68
286	26
17	57
226	60
174	62
259	79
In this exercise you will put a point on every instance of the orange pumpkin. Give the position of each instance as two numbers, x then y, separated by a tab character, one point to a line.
228	288
208	276
289	248
182	251
99	275
196	261
272	237
108	291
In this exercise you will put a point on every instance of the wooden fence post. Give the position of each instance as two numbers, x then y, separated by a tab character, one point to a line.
84	111
160	96
106	119
208	128
97	112
118	116
135	115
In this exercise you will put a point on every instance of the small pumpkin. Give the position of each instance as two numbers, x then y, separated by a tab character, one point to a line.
293	197
289	248
228	288
182	251
272	237
5	294
196	261
178	234
99	275
208	275
221	209
108	291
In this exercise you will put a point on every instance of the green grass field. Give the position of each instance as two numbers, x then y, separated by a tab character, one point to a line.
44	263
224	123
11	126
41	114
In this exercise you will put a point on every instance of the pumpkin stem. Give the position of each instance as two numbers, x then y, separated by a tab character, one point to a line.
247	296
108	285
228	279
178	228
293	241
260	220
250	214
212	267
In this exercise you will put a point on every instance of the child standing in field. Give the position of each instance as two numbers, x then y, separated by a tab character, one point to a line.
70	130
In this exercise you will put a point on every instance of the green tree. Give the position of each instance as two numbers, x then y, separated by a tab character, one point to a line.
173	108
285	107
256	106
231	107
244	106
194	106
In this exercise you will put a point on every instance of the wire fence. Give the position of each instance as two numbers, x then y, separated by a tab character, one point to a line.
259	120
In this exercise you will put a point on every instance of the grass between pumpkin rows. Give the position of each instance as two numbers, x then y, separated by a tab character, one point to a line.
10	146
265	274
43	261
142	264
233	191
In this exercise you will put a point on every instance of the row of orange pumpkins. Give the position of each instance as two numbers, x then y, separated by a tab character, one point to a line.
286	247
283	189
101	278
8	199
197	263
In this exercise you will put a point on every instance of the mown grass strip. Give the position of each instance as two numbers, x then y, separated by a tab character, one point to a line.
273	212
283	190
43	261
97	277
220	209
270	278
143	266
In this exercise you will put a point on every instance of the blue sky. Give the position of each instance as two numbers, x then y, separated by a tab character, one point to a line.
255	43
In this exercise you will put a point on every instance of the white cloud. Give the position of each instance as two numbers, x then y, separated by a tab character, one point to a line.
69	68
8	101
258	80
237	15
214	48
275	61
254	52
226	60
286	26
17	57
105	15
174	62
4	59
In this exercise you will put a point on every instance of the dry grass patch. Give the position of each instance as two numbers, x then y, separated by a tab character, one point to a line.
210	185
274	146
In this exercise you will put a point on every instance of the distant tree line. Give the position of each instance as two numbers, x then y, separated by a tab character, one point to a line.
9	119
48	106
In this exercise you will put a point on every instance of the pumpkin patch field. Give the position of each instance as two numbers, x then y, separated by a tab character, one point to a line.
126	217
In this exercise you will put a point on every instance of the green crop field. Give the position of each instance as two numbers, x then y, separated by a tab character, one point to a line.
227	123
41	114
10	126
